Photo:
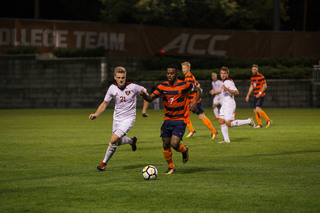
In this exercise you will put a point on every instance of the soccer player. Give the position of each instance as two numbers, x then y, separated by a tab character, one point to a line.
125	97
258	85
216	91
174	93
226	117
186	66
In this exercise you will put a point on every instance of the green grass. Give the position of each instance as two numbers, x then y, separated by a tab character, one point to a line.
48	161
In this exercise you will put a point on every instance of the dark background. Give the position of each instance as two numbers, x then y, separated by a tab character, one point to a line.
89	10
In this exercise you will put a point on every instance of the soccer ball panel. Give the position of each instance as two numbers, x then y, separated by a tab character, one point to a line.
149	172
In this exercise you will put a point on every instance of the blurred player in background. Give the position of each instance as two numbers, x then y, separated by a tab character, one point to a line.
124	116
216	92
174	93
226	117
258	85
186	66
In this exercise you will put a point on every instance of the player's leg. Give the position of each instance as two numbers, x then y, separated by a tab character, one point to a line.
206	121
115	139
224	130
248	121
125	126
215	107
177	134
256	110
166	133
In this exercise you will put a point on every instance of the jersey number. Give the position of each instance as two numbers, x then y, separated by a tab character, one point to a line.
172	99
122	99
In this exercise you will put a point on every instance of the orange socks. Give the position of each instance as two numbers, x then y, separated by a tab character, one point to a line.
264	115
168	156
258	119
208	123
191	129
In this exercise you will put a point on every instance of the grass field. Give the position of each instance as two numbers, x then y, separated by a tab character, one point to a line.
49	158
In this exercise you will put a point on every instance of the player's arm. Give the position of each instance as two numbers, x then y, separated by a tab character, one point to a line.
144	108
249	92
148	97
234	92
193	104
100	109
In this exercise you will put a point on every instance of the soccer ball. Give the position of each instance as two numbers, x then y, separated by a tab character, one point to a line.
149	172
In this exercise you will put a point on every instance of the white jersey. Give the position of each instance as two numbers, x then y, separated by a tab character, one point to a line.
125	101
228	103
227	97
216	85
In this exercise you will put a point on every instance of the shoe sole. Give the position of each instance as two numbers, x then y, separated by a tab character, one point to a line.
171	172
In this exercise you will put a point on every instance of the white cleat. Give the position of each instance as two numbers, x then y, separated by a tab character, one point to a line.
252	123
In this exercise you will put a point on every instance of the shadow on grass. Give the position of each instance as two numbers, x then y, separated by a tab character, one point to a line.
198	169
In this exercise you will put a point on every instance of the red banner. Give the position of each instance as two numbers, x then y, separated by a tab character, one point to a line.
124	40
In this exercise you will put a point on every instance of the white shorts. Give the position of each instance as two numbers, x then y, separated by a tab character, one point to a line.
227	111
216	100
124	126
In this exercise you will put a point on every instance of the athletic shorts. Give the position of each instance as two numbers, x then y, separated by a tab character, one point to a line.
216	100
170	128
257	102
227	111
199	109
124	126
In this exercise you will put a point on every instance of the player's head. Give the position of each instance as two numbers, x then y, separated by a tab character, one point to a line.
185	66
254	69
172	74
214	76
120	75
224	73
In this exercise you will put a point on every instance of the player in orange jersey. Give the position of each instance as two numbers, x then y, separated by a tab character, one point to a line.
186	66
258	85
174	93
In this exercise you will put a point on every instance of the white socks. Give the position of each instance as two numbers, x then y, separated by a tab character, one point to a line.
126	140
224	130
240	122
110	151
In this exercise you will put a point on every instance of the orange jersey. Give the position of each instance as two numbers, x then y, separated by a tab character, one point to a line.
192	80
257	83
175	99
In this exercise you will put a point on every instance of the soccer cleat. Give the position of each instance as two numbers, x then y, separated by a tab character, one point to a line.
145	115
224	142
191	134
258	126
268	123
213	136
252	123
133	145
102	166
185	156
170	171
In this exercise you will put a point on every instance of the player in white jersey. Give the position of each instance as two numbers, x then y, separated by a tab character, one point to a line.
124	116
226	117
216	91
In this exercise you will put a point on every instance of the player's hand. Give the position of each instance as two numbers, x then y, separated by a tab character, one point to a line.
211	92
247	98
92	116
193	105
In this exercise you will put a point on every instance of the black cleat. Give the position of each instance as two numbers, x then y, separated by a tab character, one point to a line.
185	156
134	142
170	171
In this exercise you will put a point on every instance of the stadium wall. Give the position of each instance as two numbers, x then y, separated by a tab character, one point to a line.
32	82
